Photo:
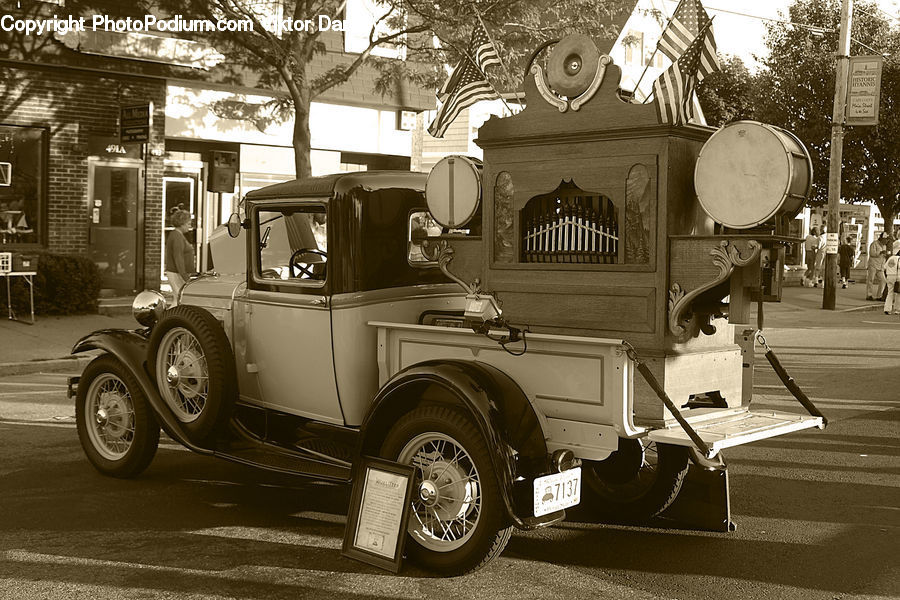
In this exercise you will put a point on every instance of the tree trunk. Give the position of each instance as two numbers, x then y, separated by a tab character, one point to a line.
888	210
301	139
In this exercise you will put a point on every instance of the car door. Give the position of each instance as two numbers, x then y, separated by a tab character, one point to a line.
285	311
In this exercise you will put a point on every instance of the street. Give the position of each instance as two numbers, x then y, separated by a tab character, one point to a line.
817	512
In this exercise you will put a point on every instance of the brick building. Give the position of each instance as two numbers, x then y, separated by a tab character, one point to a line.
61	138
74	188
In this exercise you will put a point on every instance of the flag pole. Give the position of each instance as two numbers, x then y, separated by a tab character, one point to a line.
503	64
655	50
637	86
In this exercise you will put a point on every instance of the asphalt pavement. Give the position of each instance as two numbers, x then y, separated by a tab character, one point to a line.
816	511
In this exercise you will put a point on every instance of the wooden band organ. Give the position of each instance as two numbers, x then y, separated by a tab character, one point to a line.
590	223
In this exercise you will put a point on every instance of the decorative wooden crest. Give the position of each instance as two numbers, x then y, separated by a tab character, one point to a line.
574	73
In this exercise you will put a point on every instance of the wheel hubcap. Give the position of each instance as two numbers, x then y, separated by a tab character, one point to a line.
172	375
428	493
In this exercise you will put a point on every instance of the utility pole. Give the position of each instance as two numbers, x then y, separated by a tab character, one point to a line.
829	297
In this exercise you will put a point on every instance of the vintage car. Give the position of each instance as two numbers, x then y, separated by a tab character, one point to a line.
567	312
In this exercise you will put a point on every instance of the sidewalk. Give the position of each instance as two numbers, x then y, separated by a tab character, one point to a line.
46	345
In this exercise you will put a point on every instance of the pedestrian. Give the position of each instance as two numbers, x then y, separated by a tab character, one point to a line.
846	253
878	251
892	276
811	246
179	253
820	258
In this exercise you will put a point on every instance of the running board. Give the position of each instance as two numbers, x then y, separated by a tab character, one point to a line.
736	428
272	458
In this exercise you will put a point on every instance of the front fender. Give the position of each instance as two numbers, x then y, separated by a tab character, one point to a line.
130	347
501	411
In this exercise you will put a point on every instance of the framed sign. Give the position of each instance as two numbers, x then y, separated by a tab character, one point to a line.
379	512
135	123
864	90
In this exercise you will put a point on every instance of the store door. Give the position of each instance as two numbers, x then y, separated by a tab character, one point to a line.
180	192
116	203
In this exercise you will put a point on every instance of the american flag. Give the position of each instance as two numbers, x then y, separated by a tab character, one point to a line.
674	90
687	21
468	83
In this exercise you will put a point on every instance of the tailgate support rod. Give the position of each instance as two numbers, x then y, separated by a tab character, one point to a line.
789	382
661	393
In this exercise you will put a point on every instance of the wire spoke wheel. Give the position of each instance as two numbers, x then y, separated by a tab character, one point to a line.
458	522
447	491
110	416
116	427
185	373
193	365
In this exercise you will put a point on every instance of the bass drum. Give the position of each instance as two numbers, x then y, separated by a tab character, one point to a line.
748	172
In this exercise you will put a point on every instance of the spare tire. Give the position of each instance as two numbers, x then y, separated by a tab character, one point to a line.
191	360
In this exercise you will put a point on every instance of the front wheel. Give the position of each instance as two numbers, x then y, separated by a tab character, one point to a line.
117	430
457	523
637	482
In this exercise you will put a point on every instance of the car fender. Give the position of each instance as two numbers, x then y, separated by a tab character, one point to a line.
500	409
130	347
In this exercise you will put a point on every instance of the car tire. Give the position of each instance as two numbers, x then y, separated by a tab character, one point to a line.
192	362
637	482
458	524
116	427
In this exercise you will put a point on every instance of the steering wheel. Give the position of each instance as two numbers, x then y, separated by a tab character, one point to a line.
307	269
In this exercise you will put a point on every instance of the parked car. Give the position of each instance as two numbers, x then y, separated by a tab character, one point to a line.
337	336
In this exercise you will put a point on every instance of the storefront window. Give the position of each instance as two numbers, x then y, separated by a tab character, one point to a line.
22	177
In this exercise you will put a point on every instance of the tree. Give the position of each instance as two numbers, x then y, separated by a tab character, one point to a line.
285	62
800	70
729	94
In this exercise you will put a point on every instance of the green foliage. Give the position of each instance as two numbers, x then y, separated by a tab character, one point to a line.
800	72
730	94
433	34
64	285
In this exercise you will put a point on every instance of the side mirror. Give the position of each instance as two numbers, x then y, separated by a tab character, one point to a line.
234	225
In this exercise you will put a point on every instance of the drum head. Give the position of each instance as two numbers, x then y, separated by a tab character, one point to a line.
744	172
453	191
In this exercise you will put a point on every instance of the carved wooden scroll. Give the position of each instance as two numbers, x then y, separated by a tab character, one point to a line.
684	321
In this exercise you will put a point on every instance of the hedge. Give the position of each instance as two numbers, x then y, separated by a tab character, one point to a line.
64	285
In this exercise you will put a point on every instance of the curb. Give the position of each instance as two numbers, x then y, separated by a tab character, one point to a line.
866	308
53	365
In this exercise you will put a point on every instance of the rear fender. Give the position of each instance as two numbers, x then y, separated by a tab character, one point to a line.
500	410
130	347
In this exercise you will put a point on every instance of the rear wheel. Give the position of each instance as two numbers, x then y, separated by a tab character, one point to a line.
117	430
638	481
457	523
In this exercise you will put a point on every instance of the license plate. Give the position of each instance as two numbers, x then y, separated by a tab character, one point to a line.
557	491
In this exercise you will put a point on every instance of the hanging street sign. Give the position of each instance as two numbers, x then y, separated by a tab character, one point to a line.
135	122
863	90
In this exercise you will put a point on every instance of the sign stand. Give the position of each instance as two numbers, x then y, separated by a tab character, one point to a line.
379	513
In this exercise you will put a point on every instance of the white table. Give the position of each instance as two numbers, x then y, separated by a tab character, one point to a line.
29	279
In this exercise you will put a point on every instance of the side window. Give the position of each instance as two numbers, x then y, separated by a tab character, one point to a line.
292	245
